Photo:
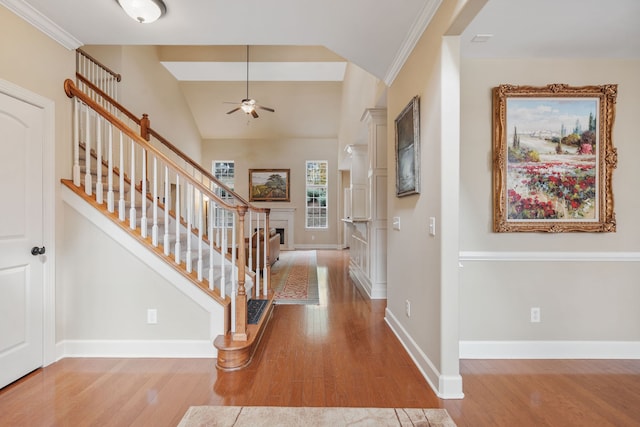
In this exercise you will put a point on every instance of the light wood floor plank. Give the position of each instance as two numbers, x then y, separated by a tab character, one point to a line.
340	353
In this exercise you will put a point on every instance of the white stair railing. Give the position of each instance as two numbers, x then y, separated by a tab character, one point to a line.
183	206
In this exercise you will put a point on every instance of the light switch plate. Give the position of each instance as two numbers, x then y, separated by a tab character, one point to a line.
396	223
432	226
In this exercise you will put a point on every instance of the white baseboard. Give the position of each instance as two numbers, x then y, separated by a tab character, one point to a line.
136	349
549	350
448	386
307	247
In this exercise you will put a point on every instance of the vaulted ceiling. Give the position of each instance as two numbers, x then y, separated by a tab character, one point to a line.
203	46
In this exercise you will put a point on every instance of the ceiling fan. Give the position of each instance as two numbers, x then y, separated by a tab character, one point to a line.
248	105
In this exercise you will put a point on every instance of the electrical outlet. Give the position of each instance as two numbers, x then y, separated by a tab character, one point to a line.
152	316
535	314
407	308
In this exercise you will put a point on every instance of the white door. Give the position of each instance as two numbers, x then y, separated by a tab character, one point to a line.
21	273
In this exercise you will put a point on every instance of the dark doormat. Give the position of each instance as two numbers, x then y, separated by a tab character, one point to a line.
255	307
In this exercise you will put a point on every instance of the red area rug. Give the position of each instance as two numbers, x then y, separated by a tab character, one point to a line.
295	278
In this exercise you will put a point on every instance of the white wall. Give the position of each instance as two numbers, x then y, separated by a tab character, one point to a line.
284	154
586	284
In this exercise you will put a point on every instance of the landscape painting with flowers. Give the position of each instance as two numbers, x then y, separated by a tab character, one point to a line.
553	158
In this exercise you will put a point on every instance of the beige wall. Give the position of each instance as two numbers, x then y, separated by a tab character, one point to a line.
115	307
586	293
284	154
147	87
419	265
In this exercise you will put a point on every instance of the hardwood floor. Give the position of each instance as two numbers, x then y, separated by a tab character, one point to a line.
340	353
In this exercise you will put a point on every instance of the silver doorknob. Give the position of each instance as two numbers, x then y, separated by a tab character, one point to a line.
35	251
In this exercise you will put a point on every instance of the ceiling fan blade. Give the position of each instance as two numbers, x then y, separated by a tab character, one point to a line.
266	108
254	114
233	111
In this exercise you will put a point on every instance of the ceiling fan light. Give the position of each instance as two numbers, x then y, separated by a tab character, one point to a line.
143	11
247	108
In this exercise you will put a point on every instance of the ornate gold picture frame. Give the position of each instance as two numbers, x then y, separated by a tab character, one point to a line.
553	158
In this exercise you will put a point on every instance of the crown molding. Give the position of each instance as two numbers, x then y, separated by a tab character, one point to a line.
42	23
415	32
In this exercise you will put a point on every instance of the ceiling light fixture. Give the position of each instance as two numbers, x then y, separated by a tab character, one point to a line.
143	11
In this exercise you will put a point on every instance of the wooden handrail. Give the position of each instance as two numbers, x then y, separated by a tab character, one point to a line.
112	101
203	171
71	90
117	76
169	145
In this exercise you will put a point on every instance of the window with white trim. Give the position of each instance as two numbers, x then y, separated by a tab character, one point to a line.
225	171
316	194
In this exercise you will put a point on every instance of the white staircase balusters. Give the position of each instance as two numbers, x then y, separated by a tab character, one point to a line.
200	206
258	253
87	154
265	275
210	236
76	142
99	187
121	168
234	248
110	196
222	220
249	253
177	211
167	185
132	191
189	261
143	196
154	228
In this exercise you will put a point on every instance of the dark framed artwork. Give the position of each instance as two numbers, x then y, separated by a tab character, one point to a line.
407	150
269	185
553	158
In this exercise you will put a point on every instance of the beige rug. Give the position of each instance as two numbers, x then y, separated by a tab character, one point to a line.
255	416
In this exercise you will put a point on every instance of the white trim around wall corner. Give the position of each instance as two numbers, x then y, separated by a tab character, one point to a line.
413	35
25	11
549	256
448	387
136	348
549	350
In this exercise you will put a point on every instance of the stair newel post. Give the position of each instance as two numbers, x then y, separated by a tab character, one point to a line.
143	196
188	259
110	196
177	211
154	228
76	142
132	190
266	279
167	185
145	124
87	153
240	333
121	204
